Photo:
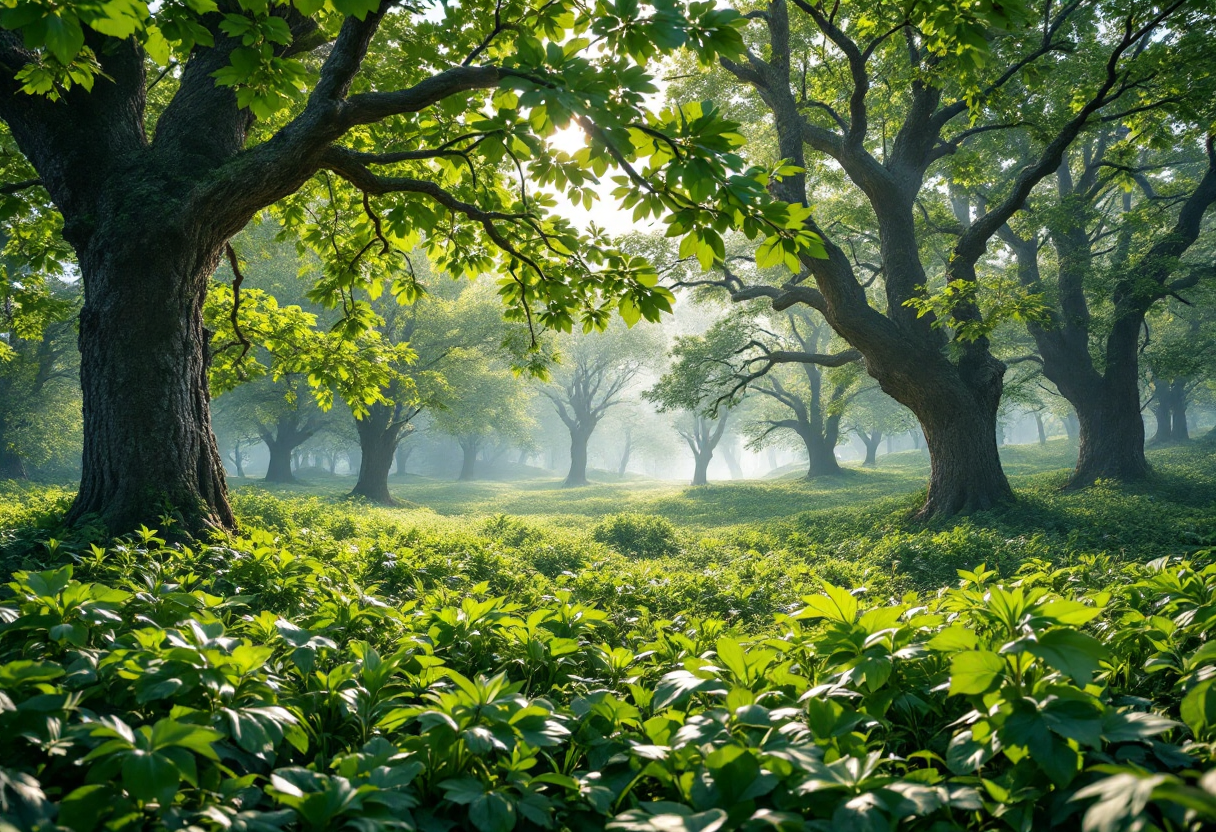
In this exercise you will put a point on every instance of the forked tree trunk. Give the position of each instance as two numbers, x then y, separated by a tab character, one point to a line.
871	441
403	456
238	461
378	438
148	442
821	455
577	476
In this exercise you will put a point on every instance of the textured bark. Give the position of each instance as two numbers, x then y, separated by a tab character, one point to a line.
148	443
965	473
1111	443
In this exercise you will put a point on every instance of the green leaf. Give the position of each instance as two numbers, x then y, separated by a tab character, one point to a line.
975	671
953	639
1069	651
493	812
150	776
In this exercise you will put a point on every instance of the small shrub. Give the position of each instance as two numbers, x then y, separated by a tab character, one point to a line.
638	535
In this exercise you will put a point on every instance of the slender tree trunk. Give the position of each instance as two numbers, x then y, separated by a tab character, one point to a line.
403	456
1182	433
577	475
625	454
1165	422
1038	423
332	462
732	461
1072	427
468	461
890	445
238	461
148	442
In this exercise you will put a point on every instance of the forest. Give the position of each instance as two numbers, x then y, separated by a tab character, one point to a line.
666	416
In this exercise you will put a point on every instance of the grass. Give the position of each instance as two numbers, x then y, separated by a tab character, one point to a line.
629	657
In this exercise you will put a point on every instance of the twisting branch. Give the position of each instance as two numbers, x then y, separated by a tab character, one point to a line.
237	279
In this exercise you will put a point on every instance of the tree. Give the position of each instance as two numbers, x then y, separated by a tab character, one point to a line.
436	329
39	398
924	331
154	135
1178	359
873	416
484	400
594	373
1104	248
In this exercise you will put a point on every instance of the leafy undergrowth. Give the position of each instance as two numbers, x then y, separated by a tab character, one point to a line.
246	687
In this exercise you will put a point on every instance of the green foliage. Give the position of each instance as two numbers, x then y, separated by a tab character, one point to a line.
245	685
639	535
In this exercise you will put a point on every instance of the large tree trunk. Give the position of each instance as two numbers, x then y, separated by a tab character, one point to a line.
1164	415
378	438
279	469
700	473
965	472
1111	438
148	442
821	456
577	475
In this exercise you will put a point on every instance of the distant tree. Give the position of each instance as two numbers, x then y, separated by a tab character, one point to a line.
483	401
437	327
873	416
594	373
39	394
687	390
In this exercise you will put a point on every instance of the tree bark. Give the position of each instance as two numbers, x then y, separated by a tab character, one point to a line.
238	461
577	475
379	433
1038	423
289	433
1164	416
468	461
403	456
700	473
626	453
965	472
871	441
1181	431
148	443
1111	441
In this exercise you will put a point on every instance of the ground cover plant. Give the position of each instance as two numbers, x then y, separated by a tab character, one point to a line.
344	666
